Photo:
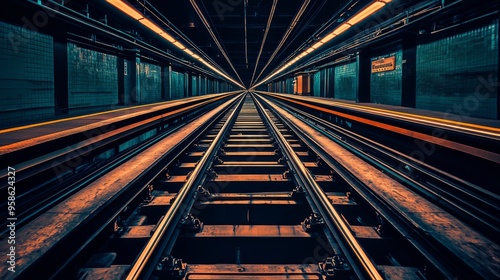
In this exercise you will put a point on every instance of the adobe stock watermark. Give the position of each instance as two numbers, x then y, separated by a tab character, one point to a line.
76	157
321	252
223	6
32	24
387	13
486	87
213	186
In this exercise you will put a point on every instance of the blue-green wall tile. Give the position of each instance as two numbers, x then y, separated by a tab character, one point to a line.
385	87
346	81
450	70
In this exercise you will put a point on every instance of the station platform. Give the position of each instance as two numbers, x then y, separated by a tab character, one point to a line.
61	127
15	138
453	119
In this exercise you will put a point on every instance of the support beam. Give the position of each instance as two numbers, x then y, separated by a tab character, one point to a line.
363	77
61	94
408	82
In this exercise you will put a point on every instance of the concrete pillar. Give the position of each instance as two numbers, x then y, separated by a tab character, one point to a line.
131	81
497	93
187	84
408	80
166	82
363	77
61	94
120	68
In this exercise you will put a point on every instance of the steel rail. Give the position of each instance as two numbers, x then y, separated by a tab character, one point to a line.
441	194
394	216
153	250
55	191
332	217
133	191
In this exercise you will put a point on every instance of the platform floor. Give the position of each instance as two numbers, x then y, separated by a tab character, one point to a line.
81	123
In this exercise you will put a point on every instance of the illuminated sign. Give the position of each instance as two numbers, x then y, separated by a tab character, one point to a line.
384	64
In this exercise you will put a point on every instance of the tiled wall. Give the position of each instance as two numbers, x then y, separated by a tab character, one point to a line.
385	87
203	85
346	81
92	80
330	82
194	85
177	85
449	72
26	75
317	83
150	81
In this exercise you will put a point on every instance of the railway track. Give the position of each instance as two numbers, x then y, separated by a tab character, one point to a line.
472	203
251	199
48	179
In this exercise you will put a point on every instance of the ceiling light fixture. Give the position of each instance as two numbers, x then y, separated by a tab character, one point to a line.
188	51
341	29
133	13
126	8
149	24
375	6
168	37
317	45
179	45
361	15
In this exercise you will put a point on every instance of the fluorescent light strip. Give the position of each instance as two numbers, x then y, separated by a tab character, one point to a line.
149	24
132	12
341	29
126	8
317	45
168	37
327	38
366	12
179	45
363	14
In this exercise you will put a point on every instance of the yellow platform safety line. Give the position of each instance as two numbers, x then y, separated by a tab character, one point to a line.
80	117
460	125
418	117
492	156
63	120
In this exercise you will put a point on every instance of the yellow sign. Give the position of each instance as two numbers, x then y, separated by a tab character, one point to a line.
384	64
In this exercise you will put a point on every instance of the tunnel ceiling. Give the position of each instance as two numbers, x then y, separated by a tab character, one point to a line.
226	19
247	39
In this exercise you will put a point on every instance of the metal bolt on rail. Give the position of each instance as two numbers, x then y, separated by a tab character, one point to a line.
118	225
201	191
334	267
149	196
217	160
298	192
212	173
313	223
191	224
171	268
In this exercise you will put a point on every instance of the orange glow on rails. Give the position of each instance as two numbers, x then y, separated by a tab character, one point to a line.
7	130
28	142
403	131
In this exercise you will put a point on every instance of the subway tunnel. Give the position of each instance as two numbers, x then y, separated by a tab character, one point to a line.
250	139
